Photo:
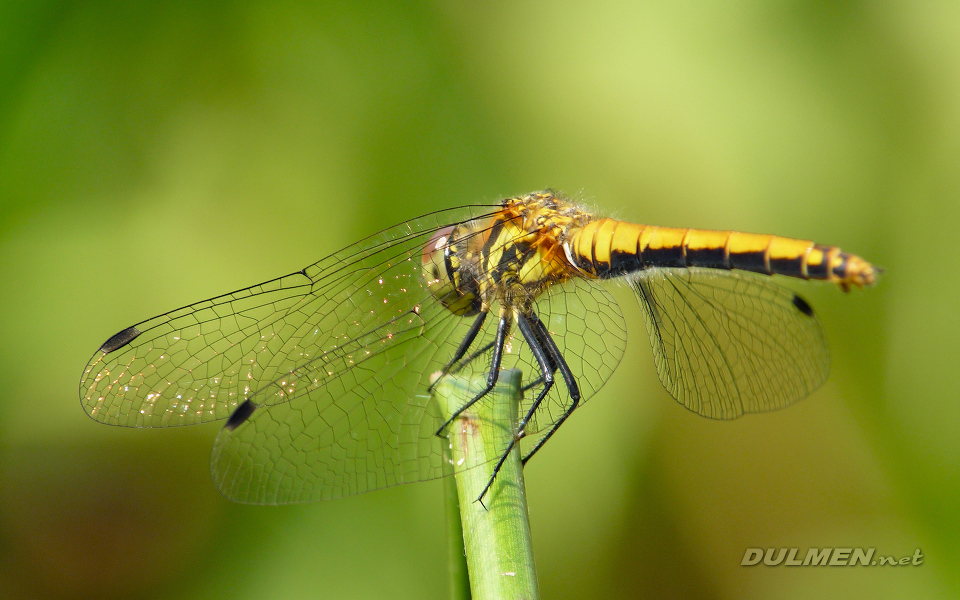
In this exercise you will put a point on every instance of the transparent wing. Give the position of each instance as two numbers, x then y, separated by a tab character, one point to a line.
727	342
197	363
366	421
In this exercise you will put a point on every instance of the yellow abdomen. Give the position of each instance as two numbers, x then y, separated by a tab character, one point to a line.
609	248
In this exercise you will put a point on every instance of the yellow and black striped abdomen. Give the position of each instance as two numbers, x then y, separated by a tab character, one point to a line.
609	248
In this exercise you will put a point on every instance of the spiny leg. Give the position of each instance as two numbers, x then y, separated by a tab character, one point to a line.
547	368
471	357
503	328
536	382
568	379
553	365
464	345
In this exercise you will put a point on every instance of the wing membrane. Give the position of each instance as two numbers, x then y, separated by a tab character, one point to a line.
197	363
727	343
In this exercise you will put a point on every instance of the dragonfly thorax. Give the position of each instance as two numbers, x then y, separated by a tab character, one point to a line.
510	258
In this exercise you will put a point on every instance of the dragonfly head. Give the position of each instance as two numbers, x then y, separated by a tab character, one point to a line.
443	276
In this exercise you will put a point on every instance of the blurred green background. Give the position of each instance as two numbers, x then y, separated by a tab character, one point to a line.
155	154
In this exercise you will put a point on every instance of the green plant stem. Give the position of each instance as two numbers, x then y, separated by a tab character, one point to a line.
496	532
459	578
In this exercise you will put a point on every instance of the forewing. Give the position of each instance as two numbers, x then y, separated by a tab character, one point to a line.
197	363
727	343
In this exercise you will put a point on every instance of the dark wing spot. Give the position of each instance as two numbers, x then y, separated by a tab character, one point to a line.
119	340
240	415
802	304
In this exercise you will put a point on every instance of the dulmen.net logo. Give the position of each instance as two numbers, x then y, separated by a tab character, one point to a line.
826	557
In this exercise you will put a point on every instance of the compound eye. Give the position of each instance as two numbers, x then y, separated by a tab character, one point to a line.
441	276
435	264
436	247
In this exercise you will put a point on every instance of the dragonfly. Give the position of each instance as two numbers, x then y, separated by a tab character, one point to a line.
323	376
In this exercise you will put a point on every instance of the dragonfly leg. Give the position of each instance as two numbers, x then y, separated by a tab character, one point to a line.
471	357
464	345
568	379
553	365
547	368
532	384
503	328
